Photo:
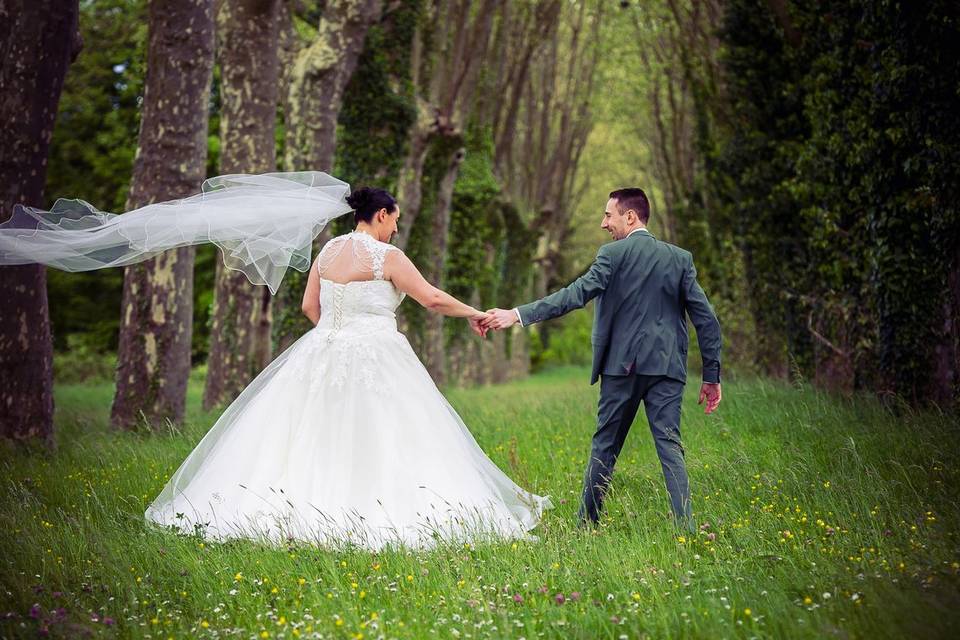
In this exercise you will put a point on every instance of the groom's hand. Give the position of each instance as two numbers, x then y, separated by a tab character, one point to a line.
711	393
501	318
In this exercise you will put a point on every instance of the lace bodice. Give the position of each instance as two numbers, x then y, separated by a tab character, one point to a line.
359	305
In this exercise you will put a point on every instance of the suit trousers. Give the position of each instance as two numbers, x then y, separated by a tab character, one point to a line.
620	398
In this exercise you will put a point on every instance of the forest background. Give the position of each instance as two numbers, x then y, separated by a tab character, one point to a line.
806	154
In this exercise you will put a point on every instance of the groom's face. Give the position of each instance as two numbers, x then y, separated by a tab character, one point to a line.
614	221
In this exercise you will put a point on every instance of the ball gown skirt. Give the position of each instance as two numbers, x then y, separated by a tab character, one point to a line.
344	439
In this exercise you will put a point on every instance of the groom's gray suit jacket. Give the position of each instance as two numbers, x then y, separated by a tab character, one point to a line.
645	288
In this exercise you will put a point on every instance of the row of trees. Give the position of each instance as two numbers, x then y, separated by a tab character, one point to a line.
809	156
473	113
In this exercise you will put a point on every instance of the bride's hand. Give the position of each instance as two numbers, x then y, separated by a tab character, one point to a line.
476	324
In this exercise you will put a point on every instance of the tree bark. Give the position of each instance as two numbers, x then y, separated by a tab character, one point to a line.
434	352
39	42
247	50
319	75
153	358
314	94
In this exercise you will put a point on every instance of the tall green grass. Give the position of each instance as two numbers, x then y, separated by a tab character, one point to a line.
820	516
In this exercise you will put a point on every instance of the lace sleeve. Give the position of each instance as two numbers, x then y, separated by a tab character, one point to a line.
329	253
379	256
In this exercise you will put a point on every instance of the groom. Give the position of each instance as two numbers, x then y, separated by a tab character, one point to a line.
645	289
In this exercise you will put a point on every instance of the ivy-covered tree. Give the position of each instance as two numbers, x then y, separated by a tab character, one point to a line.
839	170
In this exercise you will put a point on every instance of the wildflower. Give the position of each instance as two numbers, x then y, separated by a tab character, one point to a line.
807	600
559	598
518	598
575	596
747	612
204	624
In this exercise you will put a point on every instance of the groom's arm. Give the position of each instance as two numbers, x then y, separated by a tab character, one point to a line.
574	296
705	320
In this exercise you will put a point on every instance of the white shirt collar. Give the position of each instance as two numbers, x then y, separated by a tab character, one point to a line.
635	230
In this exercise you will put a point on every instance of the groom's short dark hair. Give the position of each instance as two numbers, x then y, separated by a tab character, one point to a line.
633	198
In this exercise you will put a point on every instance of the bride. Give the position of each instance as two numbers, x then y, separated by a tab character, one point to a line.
344	437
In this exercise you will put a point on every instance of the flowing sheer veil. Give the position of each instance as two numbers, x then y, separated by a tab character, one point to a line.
263	224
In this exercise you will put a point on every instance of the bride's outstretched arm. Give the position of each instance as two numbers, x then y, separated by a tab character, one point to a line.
311	295
398	268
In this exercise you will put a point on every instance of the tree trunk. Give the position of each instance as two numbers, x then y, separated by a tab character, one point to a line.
247	47
434	351
410	186
314	94
39	42
153	357
320	73
946	390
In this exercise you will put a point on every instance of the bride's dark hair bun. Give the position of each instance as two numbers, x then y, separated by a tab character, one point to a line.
366	201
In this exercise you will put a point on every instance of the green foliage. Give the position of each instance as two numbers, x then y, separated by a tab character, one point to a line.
378	103
82	361
569	342
476	234
805	496
91	157
840	174
420	247
95	136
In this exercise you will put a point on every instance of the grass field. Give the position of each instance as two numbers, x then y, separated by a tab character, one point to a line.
820	517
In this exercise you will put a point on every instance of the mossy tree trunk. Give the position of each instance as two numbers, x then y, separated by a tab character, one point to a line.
247	52
450	49
39	42
314	93
153	358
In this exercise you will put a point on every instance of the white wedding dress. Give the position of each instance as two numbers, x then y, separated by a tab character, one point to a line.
344	439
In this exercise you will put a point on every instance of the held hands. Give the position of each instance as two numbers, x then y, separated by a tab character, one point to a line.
477	323
500	319
711	393
481	323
